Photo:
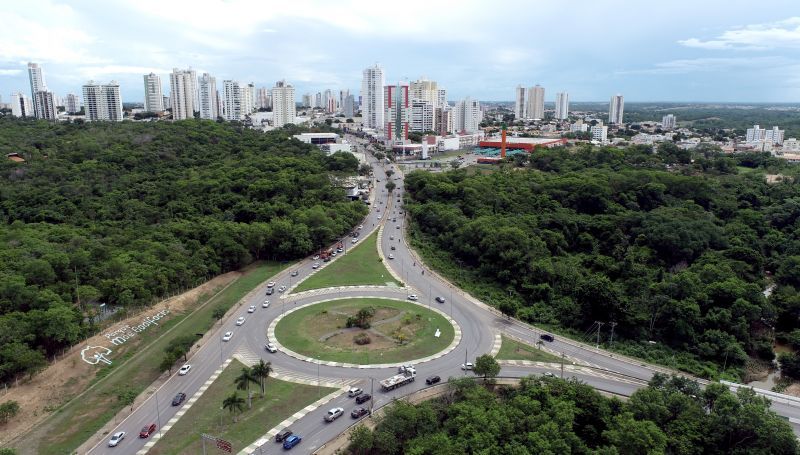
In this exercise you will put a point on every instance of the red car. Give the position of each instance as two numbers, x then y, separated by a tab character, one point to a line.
147	430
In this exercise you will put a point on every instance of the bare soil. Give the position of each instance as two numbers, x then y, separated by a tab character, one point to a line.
69	375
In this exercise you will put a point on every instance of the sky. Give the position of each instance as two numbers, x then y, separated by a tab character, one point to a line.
704	51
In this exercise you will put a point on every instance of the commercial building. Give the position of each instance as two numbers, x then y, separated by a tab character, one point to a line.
562	105
467	116
599	133
528	144
72	103
397	112
207	88
182	93
422	115
668	122
153	96
284	109
536	102
615	109
317	138
21	106
232	104
372	96
102	102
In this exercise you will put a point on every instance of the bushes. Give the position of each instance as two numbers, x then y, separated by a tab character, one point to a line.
362	339
8	410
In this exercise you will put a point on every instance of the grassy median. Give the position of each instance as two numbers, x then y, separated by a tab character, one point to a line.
281	400
72	424
360	266
514	350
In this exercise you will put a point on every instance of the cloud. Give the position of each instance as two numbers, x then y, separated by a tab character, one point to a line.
6	72
782	34
711	64
106	70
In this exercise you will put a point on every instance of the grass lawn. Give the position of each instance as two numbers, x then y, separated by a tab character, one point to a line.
282	399
80	418
514	350
302	330
361	265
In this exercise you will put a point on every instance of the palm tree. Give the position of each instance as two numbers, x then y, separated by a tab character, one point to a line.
261	371
233	403
243	383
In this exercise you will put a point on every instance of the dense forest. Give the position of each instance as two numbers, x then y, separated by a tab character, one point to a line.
125	213
553	416
675	249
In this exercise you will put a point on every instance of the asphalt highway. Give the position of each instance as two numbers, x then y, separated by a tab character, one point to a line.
480	328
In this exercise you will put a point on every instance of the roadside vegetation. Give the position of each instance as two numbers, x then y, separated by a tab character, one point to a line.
675	248
549	415
511	349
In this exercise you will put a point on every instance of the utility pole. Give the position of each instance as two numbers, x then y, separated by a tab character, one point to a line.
465	361
599	326
562	364
371	392
611	342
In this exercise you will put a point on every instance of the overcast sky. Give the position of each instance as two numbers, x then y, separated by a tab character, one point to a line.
727	50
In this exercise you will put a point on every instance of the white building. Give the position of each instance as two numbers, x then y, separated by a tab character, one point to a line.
372	97
615	109
599	133
536	102
182	89
757	134
317	100
349	107
397	112
153	96
72	104
308	100
520	103
467	116
328	101
102	102
791	145
21	106
579	127
248	98
426	90
207	94
263	98
441	98
668	122
45	105
36	78
232	100
284	109
562	105
422	115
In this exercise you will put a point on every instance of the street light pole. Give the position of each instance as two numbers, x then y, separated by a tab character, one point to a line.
158	415
371	392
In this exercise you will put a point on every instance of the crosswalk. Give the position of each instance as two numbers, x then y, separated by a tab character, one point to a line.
249	358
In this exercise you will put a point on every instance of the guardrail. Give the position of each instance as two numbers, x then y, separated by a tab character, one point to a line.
774	396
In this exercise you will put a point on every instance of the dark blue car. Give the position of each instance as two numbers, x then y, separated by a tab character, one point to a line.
291	441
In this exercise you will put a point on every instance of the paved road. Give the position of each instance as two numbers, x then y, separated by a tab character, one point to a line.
479	326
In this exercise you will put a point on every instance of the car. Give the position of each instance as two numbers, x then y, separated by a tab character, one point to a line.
179	398
271	347
315	266
391	256
361	227
397	227
394	220
378	209
432	380
440	299
265	304
339	250
413	297
358	413
271	284
401	212
547	337
270	291
334	254
227	337
147	430
333	414
406	369
548	374
291	441
316	257
392	248
283	288
184	370
379	217
282	435
116	438
295	273
251	309
240	321
354	391
467	366
354	241
363	398
391	237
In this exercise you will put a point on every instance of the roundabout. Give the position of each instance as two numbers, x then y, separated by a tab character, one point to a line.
364	332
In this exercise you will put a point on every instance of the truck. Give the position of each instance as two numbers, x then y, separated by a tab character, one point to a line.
396	381
326	254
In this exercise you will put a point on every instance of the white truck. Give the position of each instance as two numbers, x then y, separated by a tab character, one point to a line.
398	380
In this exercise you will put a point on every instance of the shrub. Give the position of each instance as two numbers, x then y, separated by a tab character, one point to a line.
8	410
362	339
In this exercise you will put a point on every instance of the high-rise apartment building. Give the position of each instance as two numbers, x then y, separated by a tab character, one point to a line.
424	89
441	98
36	78
318	100
668	121
153	96
397	112
166	102
562	105
182	89
72	104
615	109
536	102
758	134
45	105
263	98
443	121
21	106
349	108
102	102
207	94
599	133
422	115
372	97
308	100
232	96
467	116
343	94
328	101
248	97
520	103
284	109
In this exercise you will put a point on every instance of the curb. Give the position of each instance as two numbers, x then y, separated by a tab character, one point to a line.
498	341
456	338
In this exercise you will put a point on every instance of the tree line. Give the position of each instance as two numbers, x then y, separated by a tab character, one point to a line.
125	213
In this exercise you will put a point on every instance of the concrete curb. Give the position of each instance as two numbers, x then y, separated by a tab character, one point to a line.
498	341
360	287
383	258
456	338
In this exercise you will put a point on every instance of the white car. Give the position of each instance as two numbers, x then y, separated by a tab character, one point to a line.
333	254
355	241
295	273
315	266
227	337
548	374
354	391
271	347
391	256
467	366
184	369
240	321
412	297
282	289
271	284
333	414
361	227
265	304
251	309
116	438
379	216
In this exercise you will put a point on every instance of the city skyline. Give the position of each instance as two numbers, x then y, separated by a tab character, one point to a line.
710	52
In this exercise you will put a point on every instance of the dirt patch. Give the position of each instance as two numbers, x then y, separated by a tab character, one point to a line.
344	341
68	376
793	390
